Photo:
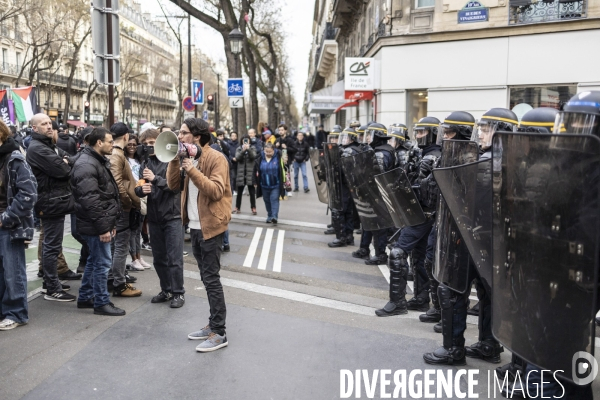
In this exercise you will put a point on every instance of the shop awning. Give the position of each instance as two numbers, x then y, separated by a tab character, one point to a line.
77	123
351	104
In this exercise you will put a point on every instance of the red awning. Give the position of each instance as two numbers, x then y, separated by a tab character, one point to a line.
351	104
77	123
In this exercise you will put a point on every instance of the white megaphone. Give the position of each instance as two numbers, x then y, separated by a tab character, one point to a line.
167	147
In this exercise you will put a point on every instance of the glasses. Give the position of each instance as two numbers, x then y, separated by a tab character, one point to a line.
181	131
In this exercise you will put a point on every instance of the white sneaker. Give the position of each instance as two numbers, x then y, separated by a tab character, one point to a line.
137	266
144	263
8	324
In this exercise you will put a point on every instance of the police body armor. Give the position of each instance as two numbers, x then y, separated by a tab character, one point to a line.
452	258
545	232
359	171
317	163
333	170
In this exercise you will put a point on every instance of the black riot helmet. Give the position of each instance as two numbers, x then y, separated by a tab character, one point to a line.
426	131
360	132
581	115
375	135
347	137
334	134
538	120
354	124
399	134
494	120
458	125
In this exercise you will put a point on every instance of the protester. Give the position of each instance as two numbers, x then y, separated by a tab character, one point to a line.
320	138
97	206
233	145
50	165
207	180
65	140
130	204
245	156
18	194
135	241
269	181
268	137
300	158
310	139
164	220
254	141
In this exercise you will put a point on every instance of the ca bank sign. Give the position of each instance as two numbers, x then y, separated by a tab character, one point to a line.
359	74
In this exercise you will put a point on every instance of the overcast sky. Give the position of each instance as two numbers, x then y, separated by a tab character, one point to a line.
296	18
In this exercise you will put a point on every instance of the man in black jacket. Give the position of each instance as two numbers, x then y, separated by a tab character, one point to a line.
65	140
164	222
97	207
50	165
321	137
300	158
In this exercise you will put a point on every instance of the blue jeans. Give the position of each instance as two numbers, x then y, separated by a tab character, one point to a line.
226	238
271	198
297	167
95	275
13	279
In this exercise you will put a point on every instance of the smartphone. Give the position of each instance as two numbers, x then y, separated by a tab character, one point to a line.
246	141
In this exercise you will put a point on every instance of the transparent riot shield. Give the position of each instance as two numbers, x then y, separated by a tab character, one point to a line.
360	175
545	234
333	174
399	198
452	259
317	164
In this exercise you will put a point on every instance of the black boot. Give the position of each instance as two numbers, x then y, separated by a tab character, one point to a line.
339	242
432	315
380	259
329	231
487	350
437	328
418	303
474	310
398	270
361	253
451	355
350	240
516	366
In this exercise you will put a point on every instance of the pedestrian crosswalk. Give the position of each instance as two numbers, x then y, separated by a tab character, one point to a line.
265	253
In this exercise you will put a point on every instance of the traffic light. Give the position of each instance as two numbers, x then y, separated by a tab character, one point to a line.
210	101
86	111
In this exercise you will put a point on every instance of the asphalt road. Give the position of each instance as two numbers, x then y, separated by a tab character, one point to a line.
298	313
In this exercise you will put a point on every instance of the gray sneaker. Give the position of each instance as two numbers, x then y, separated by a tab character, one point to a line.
201	334
214	342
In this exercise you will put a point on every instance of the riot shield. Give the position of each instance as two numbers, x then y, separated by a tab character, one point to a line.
360	175
317	164
333	175
545	233
399	198
452	258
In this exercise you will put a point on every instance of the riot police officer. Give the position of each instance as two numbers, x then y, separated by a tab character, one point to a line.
343	219
581	115
414	239
400	143
333	138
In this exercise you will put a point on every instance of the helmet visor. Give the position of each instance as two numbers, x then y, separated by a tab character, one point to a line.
483	132
396	141
399	131
577	123
368	136
333	138
345	138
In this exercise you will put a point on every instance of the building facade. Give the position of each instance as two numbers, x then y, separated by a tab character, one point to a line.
431	57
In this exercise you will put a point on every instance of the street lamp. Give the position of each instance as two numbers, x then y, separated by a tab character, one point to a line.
236	39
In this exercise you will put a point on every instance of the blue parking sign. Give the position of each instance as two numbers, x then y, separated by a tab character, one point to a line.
235	87
197	92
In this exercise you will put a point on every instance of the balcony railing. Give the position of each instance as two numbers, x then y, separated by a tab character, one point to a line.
137	96
329	34
537	11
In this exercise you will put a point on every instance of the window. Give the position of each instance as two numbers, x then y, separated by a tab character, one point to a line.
523	99
4	59
416	107
425	3
18	61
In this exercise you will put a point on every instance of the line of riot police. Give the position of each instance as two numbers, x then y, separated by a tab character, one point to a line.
511	207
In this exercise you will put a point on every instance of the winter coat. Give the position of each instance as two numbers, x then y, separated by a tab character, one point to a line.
52	174
246	160
257	174
97	203
121	171
67	143
302	153
290	146
164	204
21	194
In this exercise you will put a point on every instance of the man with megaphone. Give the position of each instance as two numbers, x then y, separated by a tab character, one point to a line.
206	208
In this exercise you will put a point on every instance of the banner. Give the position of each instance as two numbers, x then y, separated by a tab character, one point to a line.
25	103
4	109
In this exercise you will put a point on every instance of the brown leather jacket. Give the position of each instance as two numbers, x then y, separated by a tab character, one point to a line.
119	166
211	177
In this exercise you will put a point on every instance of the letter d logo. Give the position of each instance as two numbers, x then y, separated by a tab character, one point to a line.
584	367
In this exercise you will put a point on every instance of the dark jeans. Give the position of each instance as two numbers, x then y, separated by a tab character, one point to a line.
240	194
271	198
120	250
51	248
167	252
413	239
85	251
13	279
93	283
208	256
379	239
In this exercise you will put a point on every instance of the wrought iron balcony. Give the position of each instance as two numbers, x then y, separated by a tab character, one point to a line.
537	11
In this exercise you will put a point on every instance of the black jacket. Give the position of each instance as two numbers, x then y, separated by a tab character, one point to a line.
97	203
67	143
321	138
302	154
164	204
52	175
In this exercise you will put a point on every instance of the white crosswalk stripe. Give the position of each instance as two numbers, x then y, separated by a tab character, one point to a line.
252	248
263	261
264	254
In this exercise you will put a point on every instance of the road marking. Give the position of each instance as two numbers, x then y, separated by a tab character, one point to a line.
264	254
278	252
252	248
386	272
279	221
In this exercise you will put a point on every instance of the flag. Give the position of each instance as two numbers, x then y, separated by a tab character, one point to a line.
25	103
4	111
11	111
